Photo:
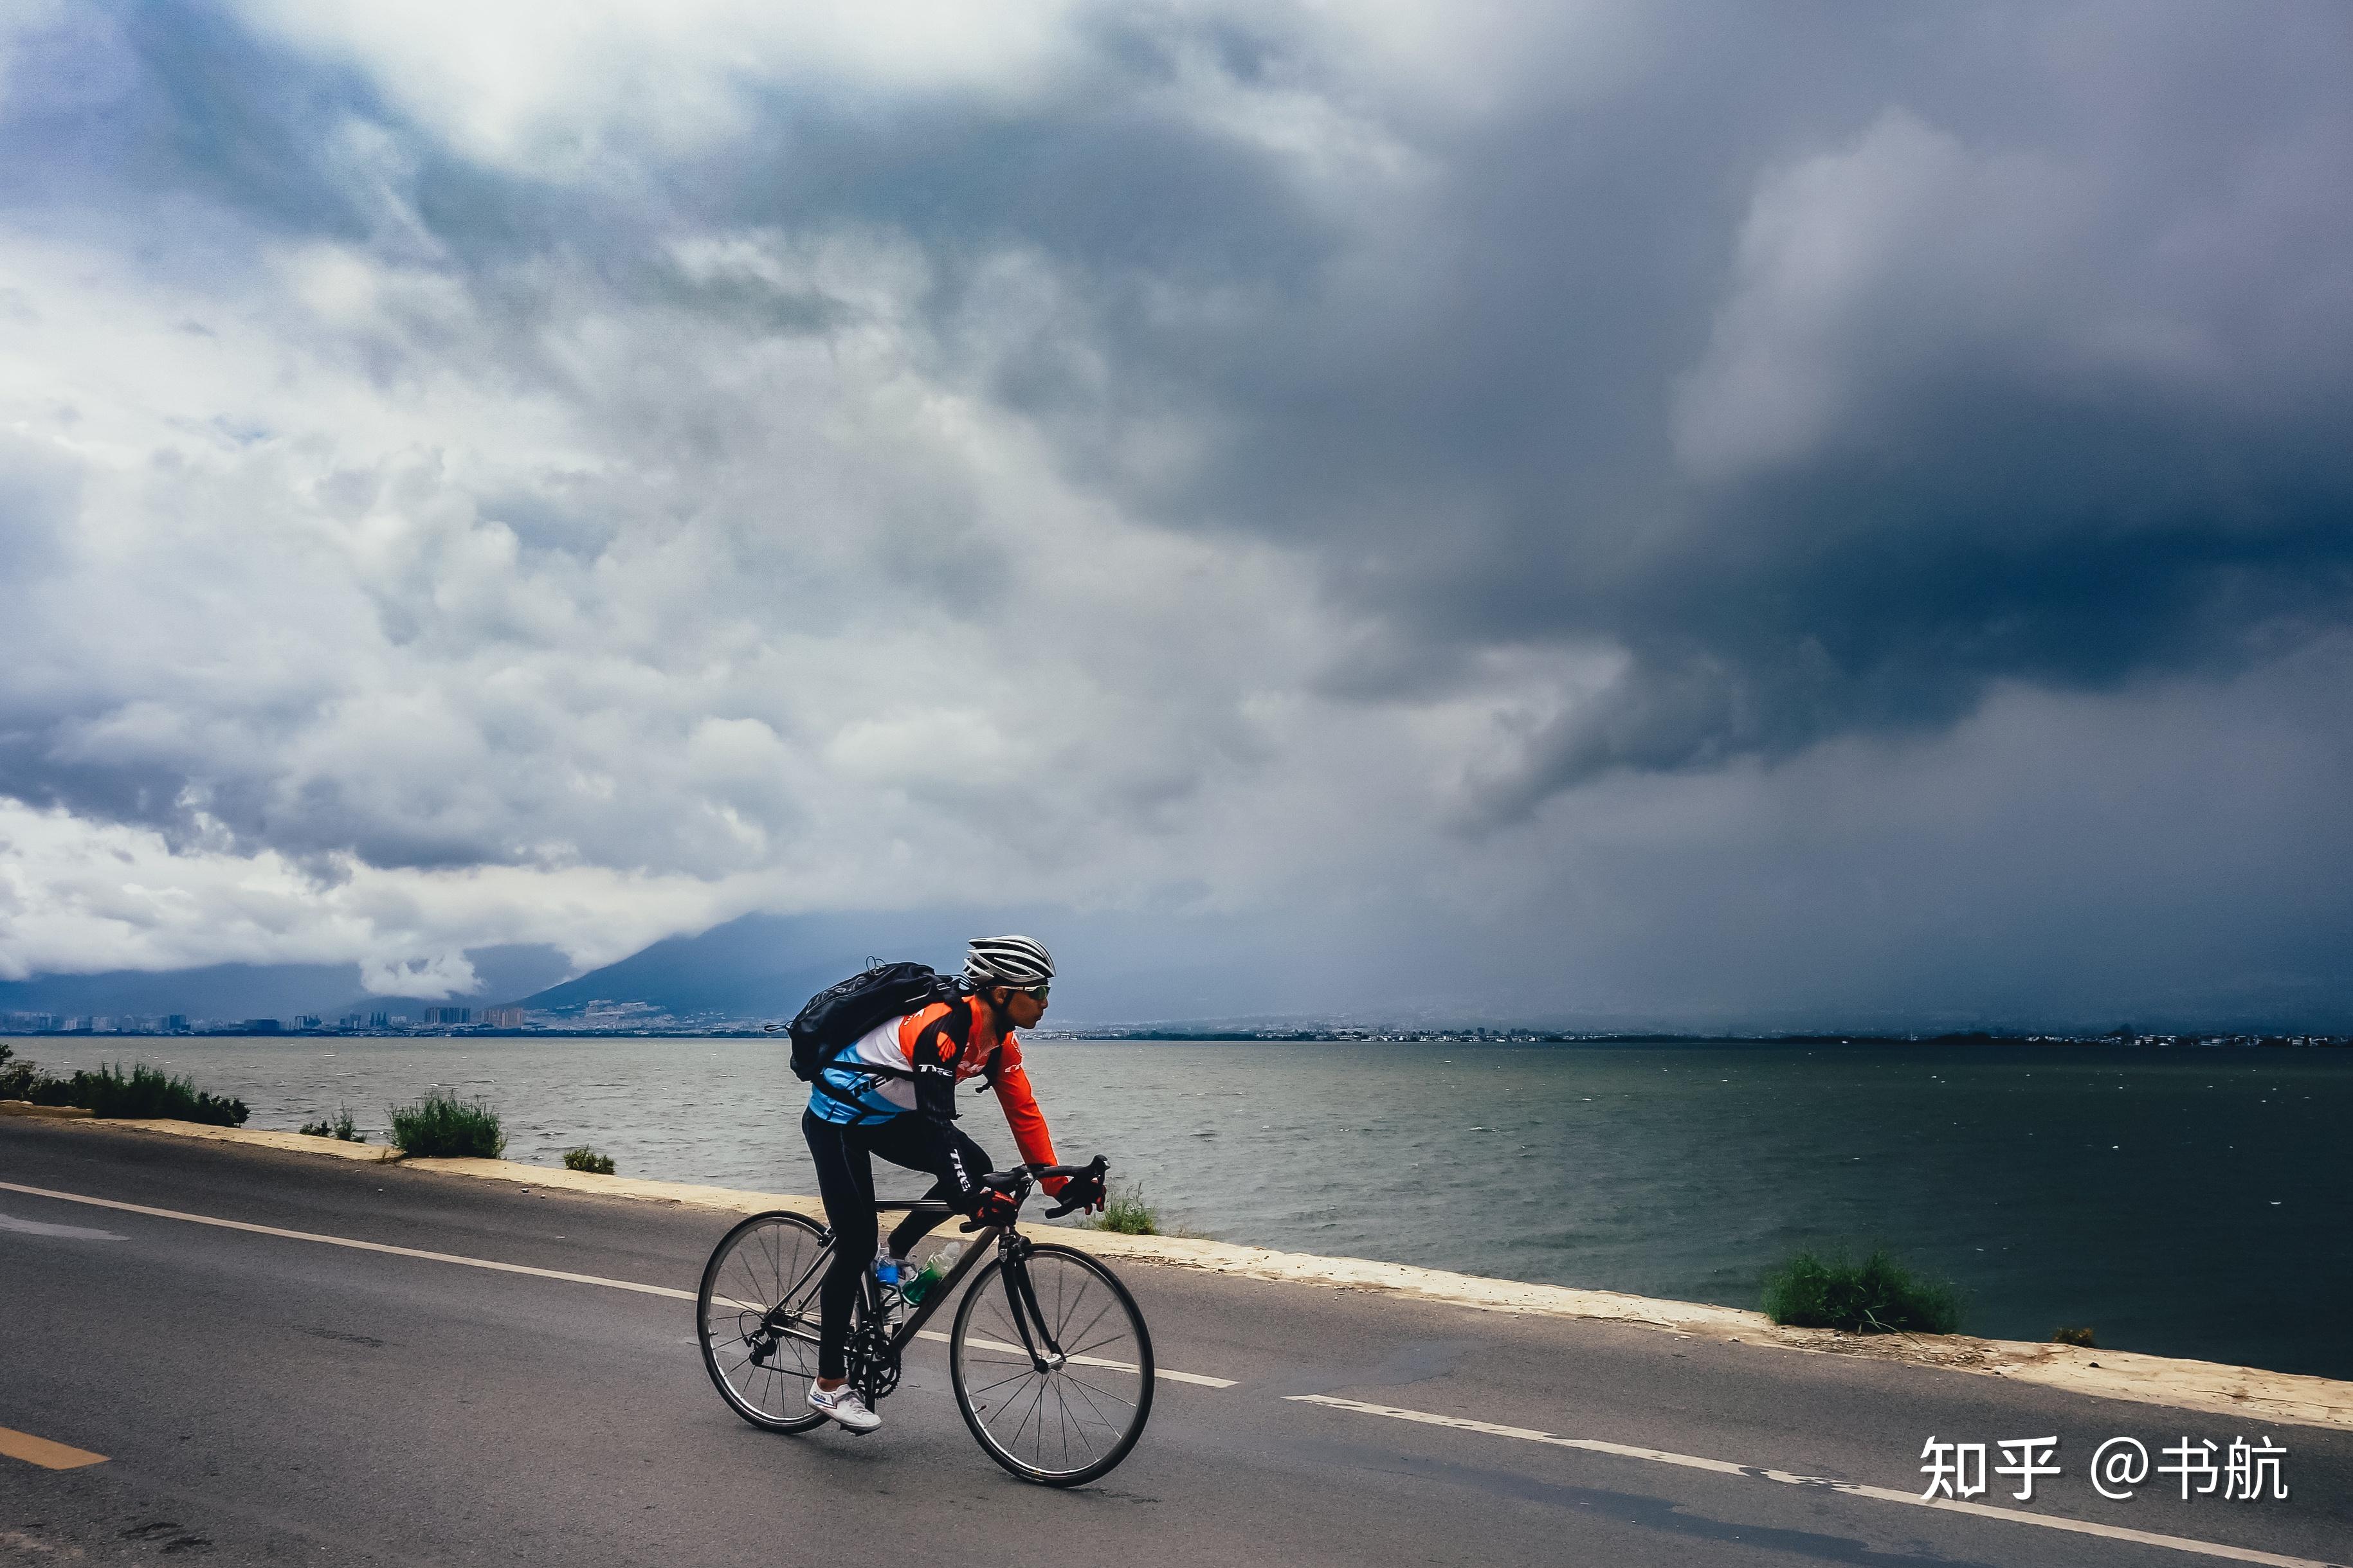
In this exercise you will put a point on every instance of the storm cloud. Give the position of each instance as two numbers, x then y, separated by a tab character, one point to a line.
1474	483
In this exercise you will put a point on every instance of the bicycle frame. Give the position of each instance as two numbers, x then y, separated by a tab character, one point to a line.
939	1293
1010	1244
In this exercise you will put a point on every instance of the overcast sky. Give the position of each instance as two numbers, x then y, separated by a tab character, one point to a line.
1723	515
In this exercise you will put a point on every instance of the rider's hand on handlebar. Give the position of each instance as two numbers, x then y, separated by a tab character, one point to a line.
1084	1191
996	1208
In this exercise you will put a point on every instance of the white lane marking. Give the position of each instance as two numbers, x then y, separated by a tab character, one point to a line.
1194	1377
563	1275
68	1232
1849	1489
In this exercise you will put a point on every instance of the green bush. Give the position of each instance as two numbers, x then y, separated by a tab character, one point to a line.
16	1078
144	1091
2083	1337
1877	1296
584	1158
443	1124
1127	1213
341	1127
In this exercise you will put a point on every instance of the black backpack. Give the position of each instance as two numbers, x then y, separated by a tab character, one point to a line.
836	1016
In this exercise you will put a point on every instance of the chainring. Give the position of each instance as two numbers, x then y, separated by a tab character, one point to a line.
873	1363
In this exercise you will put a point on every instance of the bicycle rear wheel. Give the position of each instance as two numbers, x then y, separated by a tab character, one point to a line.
1072	1422
757	1316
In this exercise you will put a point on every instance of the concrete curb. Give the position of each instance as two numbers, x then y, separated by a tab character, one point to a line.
293	1142
2257	1397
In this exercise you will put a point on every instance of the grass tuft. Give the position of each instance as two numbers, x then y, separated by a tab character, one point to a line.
1126	1212
441	1124
584	1158
1877	1296
144	1091
2075	1337
339	1126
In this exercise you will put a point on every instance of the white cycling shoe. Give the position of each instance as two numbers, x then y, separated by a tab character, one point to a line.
844	1405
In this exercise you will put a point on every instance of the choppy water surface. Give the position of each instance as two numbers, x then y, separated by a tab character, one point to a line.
2184	1202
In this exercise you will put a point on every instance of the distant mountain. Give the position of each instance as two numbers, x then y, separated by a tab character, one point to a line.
759	966
229	991
215	991
1114	965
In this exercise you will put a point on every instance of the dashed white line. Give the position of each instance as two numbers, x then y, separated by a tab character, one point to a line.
1848	1489
63	1232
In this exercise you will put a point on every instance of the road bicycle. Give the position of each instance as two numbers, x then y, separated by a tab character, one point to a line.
1048	1354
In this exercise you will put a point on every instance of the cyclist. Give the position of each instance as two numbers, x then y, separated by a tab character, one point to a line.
892	1093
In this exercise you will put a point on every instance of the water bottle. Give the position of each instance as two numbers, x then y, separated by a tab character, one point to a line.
934	1269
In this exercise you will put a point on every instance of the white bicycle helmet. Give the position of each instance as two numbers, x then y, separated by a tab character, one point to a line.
1016	961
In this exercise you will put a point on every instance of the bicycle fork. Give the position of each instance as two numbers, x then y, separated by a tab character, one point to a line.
1022	1297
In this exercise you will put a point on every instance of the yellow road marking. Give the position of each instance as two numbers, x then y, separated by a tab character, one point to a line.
1846	1488
42	1452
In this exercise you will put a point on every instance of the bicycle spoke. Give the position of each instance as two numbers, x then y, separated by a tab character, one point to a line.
1060	1336
1106	1393
1062	1317
745	1258
1073	1422
1116	1332
1035	1400
1000	1383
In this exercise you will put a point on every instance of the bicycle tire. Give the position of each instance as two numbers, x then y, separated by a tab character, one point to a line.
982	1366
795	1252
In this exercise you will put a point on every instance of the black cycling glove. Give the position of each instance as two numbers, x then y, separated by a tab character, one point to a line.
1084	1191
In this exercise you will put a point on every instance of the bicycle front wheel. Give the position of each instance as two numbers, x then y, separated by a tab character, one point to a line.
757	1314
1071	1420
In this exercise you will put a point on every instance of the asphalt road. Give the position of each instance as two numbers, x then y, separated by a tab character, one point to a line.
264	1399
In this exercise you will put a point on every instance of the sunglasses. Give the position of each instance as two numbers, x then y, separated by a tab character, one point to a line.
1037	991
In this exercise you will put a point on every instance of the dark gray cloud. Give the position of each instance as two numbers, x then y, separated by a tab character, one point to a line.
1854	364
1196	459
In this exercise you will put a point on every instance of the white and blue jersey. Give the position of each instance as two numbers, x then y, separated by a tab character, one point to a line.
850	1090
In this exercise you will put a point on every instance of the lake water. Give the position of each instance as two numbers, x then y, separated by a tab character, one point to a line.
2183	1200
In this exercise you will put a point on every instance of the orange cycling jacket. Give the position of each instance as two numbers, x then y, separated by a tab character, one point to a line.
937	1049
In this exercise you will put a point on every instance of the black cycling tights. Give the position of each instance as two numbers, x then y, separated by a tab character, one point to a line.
845	1180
